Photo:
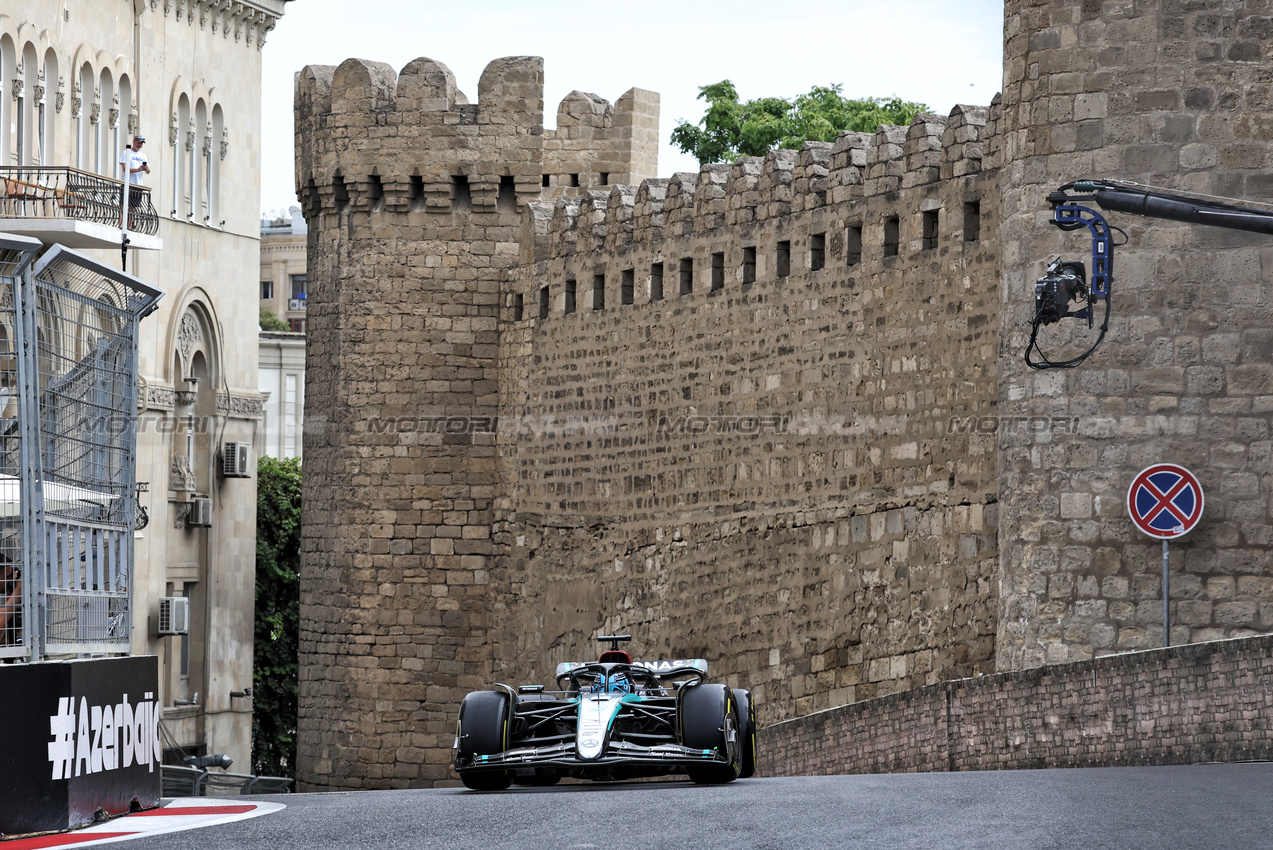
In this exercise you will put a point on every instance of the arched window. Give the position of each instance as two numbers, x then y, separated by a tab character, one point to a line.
84	127
8	76
46	147
199	166
214	167
104	135
123	131
181	160
25	107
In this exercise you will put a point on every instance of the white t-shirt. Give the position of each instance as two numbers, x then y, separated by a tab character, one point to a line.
133	159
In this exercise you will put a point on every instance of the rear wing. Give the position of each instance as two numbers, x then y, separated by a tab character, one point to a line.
658	668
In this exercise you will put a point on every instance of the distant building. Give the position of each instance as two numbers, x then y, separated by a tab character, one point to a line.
283	278
283	293
283	389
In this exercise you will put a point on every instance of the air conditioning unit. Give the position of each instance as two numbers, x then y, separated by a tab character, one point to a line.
200	512
234	460
174	615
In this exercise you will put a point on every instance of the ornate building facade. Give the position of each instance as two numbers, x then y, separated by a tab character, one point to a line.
77	81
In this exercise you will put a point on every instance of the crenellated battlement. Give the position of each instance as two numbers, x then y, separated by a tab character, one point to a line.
372	140
551	396
754	190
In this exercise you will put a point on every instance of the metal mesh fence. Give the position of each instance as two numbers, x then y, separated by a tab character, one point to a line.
15	255
68	387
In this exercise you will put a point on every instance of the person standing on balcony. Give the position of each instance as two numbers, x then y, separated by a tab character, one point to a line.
133	161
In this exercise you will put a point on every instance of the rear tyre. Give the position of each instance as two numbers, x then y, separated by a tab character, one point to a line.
708	715
484	732
746	733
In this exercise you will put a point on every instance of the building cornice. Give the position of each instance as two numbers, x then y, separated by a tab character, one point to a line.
249	21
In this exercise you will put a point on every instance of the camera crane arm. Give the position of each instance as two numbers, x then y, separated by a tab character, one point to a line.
1066	281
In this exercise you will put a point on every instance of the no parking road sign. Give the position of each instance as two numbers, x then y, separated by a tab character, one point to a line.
1165	501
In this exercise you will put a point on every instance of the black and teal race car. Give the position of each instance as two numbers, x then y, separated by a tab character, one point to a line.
610	719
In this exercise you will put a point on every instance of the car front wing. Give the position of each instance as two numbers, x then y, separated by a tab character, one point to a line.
617	752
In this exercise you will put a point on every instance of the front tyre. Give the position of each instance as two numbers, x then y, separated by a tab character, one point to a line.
746	733
484	732
709	716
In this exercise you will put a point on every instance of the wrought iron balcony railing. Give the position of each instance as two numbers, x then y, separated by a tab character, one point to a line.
68	193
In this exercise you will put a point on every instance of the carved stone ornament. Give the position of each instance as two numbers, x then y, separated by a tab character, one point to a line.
17	88
134	122
95	114
225	143
174	127
160	397
76	104
38	91
188	336
190	140
60	99
113	118
207	146
182	478
167	7
241	406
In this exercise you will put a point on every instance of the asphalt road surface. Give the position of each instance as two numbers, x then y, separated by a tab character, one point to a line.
1201	806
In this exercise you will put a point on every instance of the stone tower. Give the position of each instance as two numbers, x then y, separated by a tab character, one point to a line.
413	198
1168	93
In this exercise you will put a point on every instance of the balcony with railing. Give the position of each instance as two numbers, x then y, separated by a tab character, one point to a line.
75	208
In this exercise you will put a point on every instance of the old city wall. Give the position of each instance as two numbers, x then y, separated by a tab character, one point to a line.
765	456
1169	93
1194	704
412	195
834	483
596	144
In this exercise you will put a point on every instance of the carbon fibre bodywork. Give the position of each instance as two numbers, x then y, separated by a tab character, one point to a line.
606	721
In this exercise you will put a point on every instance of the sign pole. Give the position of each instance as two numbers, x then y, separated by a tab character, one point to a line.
1165	501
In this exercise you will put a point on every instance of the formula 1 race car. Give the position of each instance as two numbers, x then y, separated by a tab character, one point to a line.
611	719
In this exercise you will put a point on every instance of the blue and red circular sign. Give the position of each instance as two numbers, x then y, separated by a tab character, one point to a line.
1165	501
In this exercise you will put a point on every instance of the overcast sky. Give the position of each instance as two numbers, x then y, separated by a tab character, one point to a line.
938	52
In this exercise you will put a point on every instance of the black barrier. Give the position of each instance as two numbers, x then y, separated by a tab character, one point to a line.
76	738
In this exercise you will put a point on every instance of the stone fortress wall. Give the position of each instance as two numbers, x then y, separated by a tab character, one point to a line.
1170	93
735	438
812	455
412	195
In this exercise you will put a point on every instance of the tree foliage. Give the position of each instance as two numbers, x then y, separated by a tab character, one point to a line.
271	322
730	129
278	562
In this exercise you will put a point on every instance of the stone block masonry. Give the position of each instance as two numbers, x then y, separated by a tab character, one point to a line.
774	413
1192	704
751	458
413	198
1167	93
